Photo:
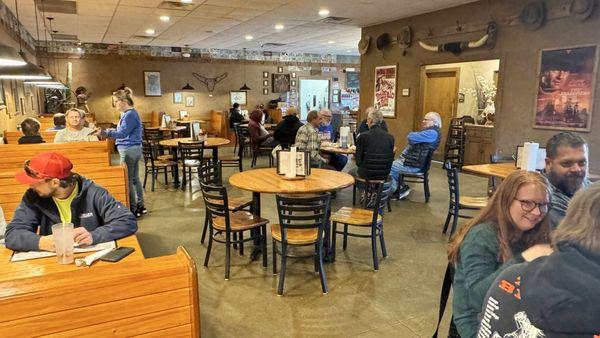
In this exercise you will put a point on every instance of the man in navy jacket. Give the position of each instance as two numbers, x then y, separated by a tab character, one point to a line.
57	195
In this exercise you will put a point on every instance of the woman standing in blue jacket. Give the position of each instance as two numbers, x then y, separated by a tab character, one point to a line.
128	138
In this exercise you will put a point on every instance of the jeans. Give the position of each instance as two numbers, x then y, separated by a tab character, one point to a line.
131	157
338	161
398	168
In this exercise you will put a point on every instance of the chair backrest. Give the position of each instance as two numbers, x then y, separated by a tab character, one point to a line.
378	165
453	183
187	128
428	161
153	134
381	189
494	158
241	133
216	202
148	152
210	173
191	150
303	213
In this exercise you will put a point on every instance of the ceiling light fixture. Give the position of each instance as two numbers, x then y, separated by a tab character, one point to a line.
186	1
279	26
150	31
323	12
164	18
9	57
330	41
249	37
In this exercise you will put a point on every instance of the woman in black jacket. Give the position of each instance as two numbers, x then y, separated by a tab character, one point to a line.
286	130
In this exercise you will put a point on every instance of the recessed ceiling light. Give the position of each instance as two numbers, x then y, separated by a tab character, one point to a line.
330	41
164	18
323	12
186	1
249	37
150	31
279	26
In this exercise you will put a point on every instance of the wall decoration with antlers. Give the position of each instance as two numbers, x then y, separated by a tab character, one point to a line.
210	82
489	40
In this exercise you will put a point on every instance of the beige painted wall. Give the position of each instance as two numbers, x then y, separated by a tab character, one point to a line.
518	50
102	74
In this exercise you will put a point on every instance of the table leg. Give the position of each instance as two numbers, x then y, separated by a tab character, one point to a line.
257	251
176	171
215	152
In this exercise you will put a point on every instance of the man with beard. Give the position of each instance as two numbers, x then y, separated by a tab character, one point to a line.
58	195
566	169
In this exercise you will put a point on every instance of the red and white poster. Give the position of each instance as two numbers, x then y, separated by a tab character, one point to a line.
565	89
385	90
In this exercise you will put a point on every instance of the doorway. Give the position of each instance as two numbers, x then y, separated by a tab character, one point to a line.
439	89
314	95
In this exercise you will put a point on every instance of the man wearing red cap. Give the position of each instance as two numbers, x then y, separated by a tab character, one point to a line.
57	195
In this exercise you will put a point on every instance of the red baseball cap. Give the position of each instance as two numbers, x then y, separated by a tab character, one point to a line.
44	166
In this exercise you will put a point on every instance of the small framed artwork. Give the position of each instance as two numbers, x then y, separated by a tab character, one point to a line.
265	83
293	75
152	83
265	91
335	98
177	97
336	92
461	97
22	105
279	69
239	97
265	75
280	83
405	91
183	115
293	83
189	101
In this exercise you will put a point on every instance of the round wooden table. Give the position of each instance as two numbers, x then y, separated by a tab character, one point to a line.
209	142
334	148
267	181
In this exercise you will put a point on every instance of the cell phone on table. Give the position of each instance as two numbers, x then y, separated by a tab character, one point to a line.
117	254
92	132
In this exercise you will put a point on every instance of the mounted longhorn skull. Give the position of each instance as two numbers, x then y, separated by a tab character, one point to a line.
457	47
210	82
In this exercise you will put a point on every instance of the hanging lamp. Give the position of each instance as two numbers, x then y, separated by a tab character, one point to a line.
187	87
245	86
9	57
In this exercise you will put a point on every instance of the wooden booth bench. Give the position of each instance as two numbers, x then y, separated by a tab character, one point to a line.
12	137
155	297
80	153
113	179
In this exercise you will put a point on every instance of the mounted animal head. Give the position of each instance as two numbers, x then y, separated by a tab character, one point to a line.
210	82
489	39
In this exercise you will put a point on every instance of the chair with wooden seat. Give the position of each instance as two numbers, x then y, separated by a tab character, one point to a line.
458	202
154	166
210	173
192	158
257	150
302	222
234	160
494	181
369	216
224	223
420	177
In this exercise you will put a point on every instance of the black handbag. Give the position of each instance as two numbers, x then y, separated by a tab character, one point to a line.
444	294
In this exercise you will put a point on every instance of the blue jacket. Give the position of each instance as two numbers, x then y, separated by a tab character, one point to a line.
129	130
93	208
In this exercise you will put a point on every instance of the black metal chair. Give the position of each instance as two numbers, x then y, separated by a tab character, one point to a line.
378	165
153	165
234	160
210	173
153	135
191	157
302	221
420	177
225	223
458	202
371	215
242	138
257	150
494	181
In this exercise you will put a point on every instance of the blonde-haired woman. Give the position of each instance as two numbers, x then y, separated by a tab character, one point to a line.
513	227
128	138
557	295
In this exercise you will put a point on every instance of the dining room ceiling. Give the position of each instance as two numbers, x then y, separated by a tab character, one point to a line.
223	24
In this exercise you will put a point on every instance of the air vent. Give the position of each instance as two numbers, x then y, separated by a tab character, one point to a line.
57	6
273	44
176	5
335	20
65	37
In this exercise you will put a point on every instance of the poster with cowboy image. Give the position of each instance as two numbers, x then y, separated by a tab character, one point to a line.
385	90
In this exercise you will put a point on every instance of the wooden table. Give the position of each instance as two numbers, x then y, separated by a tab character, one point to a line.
499	170
267	181
209	142
173	131
334	148
49	265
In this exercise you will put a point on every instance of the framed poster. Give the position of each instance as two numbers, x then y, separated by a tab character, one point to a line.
385	90
152	83
240	97
352	80
177	97
565	88
281	83
189	101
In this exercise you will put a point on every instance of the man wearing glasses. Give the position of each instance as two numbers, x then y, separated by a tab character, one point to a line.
567	170
338	161
414	156
57	195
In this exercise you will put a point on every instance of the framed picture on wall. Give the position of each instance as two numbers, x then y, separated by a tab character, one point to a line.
152	83
240	97
22	105
352	80
280	83
265	91
265	75
265	83
565	88
384	97
293	75
189	101
279	69
177	97
293	83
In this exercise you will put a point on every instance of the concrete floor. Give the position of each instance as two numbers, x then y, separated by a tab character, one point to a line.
399	300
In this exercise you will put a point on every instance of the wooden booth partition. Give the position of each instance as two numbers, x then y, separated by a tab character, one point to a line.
219	124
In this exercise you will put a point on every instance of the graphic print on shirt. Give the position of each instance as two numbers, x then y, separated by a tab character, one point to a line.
524	328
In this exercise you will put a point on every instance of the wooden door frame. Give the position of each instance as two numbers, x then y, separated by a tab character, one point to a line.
418	117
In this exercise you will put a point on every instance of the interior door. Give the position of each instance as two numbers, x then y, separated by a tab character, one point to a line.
440	87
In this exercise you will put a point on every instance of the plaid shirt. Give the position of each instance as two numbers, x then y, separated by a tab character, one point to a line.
307	139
